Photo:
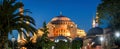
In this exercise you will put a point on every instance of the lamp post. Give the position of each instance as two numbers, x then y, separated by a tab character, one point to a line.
13	40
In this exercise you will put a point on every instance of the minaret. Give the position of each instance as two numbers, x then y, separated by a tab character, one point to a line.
21	37
95	21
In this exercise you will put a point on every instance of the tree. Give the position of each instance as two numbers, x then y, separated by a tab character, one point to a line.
44	41
11	19
109	10
77	43
117	41
62	45
30	45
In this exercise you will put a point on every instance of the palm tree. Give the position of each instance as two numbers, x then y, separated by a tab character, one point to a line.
11	19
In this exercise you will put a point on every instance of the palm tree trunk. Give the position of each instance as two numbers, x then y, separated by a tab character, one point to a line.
4	42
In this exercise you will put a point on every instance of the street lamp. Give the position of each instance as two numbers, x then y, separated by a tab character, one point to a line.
117	34
13	40
101	38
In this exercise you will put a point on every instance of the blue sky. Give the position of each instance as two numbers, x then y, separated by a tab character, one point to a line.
79	11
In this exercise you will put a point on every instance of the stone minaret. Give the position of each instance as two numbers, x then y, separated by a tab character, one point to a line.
95	21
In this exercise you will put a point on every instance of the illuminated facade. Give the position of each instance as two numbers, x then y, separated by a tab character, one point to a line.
59	26
62	25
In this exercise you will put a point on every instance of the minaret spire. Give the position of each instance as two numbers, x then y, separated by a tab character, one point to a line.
95	21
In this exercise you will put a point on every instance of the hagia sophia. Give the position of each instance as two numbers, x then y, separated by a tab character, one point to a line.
61	25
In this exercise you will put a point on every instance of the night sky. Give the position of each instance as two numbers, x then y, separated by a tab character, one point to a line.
79	11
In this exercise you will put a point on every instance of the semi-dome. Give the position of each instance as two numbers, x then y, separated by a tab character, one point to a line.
95	31
62	38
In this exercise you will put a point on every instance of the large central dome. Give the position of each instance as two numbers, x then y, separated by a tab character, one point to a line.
60	18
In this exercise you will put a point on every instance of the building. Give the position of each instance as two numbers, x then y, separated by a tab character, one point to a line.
62	25
59	26
94	38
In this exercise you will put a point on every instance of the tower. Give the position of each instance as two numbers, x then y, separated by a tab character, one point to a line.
95	21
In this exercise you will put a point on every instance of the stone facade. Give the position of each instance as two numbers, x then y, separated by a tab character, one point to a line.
62	25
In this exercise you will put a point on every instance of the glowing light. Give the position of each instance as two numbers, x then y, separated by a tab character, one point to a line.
56	41
101	39
27	22
68	34
117	34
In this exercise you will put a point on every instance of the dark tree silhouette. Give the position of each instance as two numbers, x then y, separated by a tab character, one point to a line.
109	10
77	43
11	19
62	45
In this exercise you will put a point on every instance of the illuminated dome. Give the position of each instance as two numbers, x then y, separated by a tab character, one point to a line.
62	25
61	20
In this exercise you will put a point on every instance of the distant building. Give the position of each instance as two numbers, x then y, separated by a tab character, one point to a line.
93	38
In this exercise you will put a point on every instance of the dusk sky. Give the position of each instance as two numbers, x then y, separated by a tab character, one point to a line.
79	11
